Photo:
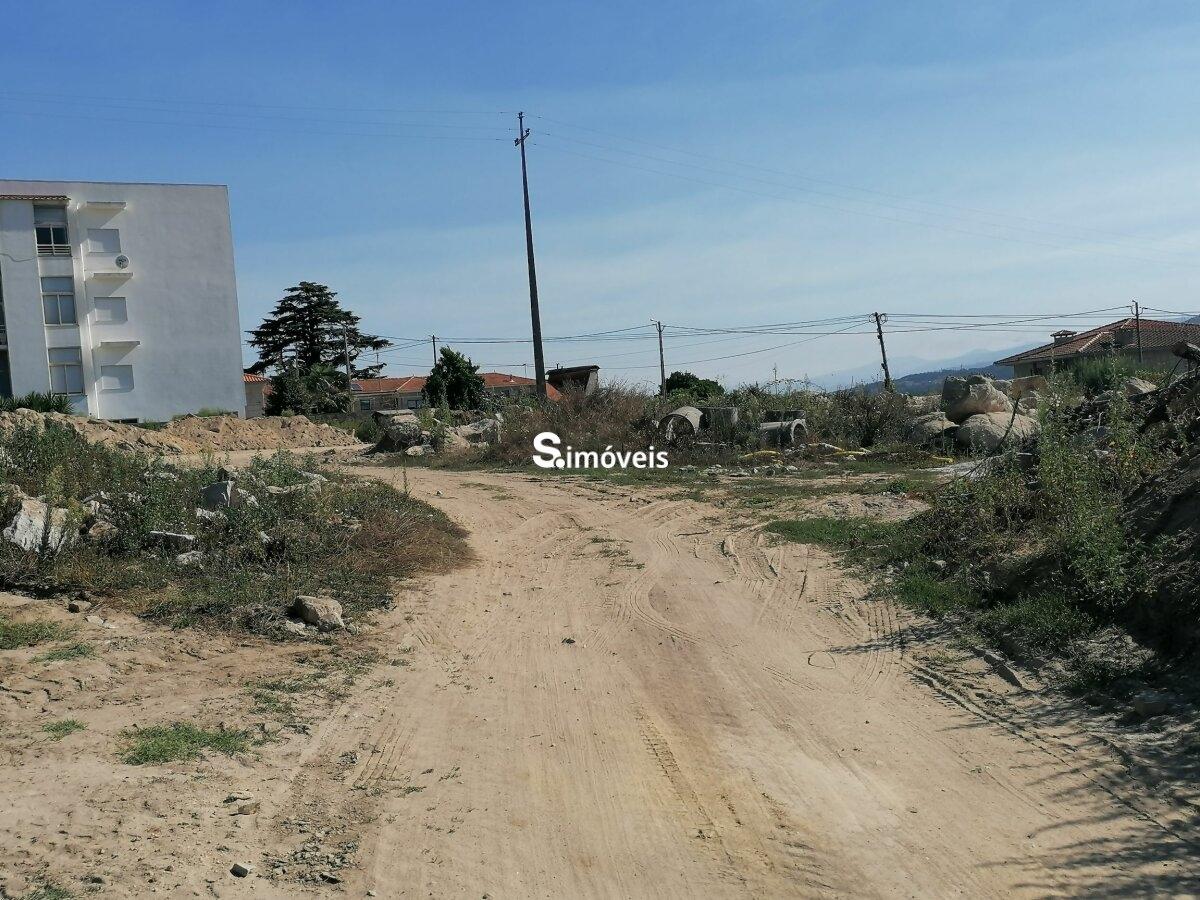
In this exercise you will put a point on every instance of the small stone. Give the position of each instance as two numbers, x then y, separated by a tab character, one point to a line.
79	606
191	558
237	870
295	627
246	808
172	540
1146	706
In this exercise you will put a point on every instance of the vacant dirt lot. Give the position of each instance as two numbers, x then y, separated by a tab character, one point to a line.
626	696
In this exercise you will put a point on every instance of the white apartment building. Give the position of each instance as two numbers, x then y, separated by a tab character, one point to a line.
121	296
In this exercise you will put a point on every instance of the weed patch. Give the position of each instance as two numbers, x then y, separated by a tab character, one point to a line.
71	651
56	731
834	533
14	635
179	741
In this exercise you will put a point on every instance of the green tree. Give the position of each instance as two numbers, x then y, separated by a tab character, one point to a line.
454	382
309	329
320	390
693	387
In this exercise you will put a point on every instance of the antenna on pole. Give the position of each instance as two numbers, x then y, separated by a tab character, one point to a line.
536	316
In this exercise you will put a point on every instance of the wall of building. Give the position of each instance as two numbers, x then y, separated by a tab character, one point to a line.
174	345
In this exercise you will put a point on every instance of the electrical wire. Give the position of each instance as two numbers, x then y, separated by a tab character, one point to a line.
1188	246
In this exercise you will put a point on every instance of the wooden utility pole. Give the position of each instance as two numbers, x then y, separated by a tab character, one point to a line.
538	364
880	318
433	340
662	362
346	351
1137	324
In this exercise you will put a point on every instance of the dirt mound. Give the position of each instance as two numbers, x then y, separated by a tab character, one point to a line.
191	434
221	433
95	431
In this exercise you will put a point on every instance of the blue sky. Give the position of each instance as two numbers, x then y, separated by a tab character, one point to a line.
709	165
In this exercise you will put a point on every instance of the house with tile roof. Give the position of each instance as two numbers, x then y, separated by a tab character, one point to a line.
372	394
1122	338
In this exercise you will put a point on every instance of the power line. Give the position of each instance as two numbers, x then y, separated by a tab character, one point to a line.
247	128
244	105
859	212
843	185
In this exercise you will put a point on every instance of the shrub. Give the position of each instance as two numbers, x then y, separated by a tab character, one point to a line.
613	415
349	538
1045	553
38	401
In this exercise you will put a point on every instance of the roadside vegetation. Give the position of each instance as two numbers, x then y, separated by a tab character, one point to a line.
1034	553
138	535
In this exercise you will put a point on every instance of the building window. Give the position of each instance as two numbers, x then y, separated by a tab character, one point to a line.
58	301
66	370
116	378
110	310
364	404
104	240
50	226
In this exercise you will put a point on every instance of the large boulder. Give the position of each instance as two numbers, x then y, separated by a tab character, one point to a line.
1021	387
324	612
972	396
484	431
930	428
987	431
219	495
453	442
401	430
35	525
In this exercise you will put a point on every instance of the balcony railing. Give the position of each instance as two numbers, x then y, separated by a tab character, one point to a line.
53	249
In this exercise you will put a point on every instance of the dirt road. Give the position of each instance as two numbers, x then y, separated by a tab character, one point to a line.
625	698
626	695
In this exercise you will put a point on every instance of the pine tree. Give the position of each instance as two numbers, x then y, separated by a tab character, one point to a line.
454	382
308	330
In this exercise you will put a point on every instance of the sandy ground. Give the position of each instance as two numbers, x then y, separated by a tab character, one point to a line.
625	696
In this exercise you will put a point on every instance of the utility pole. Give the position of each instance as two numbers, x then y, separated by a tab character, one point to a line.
880	318
433	340
538	364
662	363
346	351
1137	324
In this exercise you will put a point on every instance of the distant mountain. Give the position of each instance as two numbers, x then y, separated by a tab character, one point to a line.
922	376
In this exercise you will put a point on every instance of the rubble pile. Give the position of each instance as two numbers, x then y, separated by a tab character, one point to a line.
404	433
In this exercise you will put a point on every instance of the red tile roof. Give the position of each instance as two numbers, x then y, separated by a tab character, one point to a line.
1155	334
409	384
254	379
412	384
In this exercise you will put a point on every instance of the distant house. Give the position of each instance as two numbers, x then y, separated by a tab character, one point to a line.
1115	339
371	394
584	379
257	388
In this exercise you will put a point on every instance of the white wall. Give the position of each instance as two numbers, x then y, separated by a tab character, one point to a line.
181	338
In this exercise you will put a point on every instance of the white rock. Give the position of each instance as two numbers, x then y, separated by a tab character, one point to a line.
28	528
324	612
